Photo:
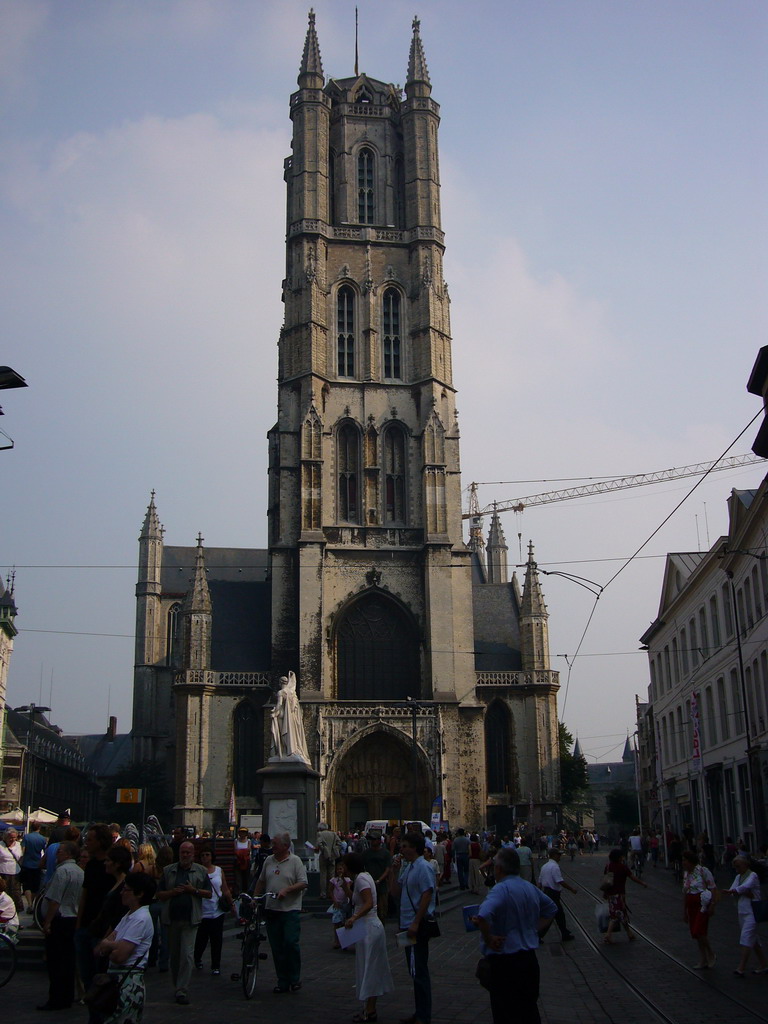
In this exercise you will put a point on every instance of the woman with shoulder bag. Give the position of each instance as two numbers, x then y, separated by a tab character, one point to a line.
699	898
127	948
373	977
212	925
10	861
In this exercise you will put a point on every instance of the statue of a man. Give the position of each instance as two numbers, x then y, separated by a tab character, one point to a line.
288	740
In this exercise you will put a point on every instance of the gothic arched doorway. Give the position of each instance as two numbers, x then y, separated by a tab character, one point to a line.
379	778
498	752
377	651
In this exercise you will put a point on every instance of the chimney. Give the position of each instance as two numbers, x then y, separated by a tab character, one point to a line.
112	729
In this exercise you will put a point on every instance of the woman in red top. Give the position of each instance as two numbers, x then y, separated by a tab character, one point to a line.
614	888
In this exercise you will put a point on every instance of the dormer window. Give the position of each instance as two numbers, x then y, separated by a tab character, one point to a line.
365	186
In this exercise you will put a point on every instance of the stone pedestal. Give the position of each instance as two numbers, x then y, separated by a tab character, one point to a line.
290	794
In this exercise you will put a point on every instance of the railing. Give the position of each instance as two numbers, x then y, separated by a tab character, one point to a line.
207	678
519	678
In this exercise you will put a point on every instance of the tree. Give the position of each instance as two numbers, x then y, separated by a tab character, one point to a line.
622	807
574	781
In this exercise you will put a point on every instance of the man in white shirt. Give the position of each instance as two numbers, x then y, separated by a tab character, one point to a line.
285	876
551	881
63	896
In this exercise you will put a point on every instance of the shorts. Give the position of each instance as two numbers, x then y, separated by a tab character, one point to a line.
30	879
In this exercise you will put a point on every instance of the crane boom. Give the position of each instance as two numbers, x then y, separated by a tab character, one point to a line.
620	483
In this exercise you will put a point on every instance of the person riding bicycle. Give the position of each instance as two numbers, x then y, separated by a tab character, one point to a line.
636	849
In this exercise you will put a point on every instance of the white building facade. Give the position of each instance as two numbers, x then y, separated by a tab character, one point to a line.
708	693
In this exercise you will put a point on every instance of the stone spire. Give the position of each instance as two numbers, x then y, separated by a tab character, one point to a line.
534	629
198	598
577	749
151	530
311	71
533	598
498	571
197	619
628	756
417	80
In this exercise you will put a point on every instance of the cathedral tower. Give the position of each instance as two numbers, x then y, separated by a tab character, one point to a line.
371	597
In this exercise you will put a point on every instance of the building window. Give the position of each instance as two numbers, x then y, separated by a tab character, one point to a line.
377	652
703	635
709	705
498	734
392	340
394	475
667	666
675	660
756	595
399	193
727	609
173	636
345	331
714	621
722	708
365	186
684	650
694	643
736	703
348	445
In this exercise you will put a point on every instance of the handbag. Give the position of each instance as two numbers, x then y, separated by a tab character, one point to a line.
103	995
483	972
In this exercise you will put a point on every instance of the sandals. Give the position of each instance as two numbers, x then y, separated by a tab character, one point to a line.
360	1017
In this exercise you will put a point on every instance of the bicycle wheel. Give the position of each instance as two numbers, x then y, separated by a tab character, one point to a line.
7	959
39	908
250	964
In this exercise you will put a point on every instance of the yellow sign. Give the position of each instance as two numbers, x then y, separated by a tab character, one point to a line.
129	796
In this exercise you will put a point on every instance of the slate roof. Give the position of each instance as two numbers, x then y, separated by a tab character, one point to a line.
497	631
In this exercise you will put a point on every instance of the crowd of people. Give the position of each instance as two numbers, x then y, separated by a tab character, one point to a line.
114	907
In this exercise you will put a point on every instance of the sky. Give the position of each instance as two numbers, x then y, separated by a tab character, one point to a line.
603	195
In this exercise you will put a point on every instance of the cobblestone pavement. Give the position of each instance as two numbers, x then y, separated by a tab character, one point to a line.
578	986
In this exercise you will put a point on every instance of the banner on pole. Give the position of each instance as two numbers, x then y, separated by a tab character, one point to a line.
695	720
129	796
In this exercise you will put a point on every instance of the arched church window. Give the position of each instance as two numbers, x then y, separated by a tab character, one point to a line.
348	448
498	744
173	635
399	193
332	187
394	475
345	331
377	651
248	748
365	186
391	325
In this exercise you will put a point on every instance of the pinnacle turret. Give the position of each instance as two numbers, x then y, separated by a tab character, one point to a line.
629	755
417	80
577	749
151	529
533	597
497	552
198	598
311	71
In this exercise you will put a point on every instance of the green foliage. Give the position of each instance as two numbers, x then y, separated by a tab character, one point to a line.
574	781
622	807
148	775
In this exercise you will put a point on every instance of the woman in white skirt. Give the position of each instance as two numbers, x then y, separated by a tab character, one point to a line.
746	886
373	977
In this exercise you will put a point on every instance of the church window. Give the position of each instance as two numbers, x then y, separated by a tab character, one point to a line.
394	475
173	635
332	187
399	193
345	331
365	186
248	739
498	748
348	446
377	651
391	318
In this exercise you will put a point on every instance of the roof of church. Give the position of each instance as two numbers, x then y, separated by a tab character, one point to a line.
497	634
240	600
106	756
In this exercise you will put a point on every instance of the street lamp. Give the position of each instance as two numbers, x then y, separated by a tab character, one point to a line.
9	379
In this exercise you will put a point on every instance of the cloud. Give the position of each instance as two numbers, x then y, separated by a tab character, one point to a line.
20	26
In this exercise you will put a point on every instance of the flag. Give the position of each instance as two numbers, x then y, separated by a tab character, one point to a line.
695	720
232	807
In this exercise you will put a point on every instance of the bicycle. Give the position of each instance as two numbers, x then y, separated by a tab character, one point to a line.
7	958
252	919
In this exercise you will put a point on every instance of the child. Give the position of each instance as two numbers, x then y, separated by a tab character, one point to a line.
339	895
9	918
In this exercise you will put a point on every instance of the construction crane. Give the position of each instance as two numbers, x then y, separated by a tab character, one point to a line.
620	483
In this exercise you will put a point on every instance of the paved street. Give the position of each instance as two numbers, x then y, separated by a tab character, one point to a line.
578	985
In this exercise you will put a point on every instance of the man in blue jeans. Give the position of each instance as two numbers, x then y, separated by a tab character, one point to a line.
461	846
415	888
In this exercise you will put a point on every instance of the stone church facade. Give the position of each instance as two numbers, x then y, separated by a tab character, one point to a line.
423	671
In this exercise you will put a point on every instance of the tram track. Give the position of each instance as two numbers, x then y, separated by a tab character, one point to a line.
713	993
